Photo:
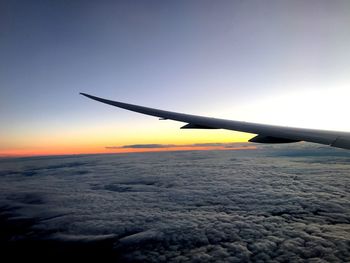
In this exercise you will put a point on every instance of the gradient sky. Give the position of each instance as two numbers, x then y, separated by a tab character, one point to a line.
278	62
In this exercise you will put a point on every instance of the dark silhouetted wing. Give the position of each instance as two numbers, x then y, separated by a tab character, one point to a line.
265	133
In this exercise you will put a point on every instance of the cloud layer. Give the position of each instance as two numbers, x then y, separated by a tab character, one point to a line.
280	204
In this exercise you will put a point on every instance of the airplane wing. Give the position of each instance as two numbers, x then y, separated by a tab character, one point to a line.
264	133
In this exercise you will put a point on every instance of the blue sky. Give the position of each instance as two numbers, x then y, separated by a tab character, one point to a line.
250	60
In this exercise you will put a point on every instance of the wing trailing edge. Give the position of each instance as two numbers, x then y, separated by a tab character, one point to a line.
270	139
196	126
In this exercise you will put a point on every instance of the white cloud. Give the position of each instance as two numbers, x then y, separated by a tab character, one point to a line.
284	203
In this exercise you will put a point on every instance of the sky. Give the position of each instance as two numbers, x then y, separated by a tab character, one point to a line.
274	62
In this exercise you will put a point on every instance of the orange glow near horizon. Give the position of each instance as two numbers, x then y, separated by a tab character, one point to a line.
92	150
94	140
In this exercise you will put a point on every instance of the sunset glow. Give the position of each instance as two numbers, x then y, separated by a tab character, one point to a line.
99	142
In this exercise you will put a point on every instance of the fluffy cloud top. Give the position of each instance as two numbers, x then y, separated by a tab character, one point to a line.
277	205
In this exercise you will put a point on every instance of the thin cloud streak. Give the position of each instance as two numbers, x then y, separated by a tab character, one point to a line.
143	146
182	147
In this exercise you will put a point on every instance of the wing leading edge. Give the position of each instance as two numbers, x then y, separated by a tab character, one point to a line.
265	133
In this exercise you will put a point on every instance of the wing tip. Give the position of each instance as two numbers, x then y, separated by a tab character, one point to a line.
100	99
84	94
89	96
